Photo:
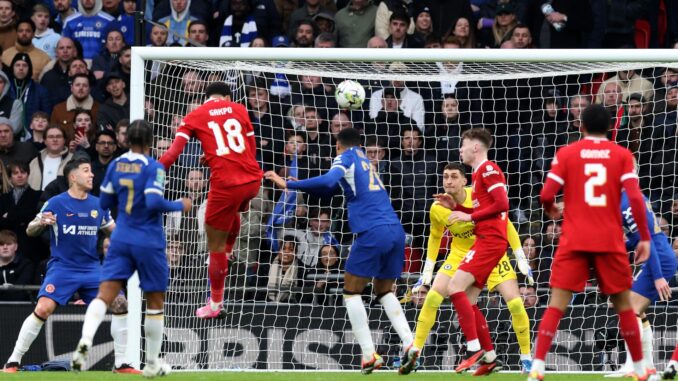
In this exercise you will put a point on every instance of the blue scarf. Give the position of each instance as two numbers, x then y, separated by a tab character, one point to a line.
243	38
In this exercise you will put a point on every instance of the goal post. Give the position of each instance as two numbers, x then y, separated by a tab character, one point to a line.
523	96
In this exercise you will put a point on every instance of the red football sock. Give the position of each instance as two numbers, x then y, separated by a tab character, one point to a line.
233	235
628	327
483	330
218	269
547	331
674	357
465	314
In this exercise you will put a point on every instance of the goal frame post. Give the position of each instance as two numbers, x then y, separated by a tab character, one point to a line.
140	55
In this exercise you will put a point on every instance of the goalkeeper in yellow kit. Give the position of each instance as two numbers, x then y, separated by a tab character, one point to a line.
502	279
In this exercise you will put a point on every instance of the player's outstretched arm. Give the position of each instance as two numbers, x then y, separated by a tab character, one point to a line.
637	202
156	203
169	157
39	223
437	214
500	204
319	184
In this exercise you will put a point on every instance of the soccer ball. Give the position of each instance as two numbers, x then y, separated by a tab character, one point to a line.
350	95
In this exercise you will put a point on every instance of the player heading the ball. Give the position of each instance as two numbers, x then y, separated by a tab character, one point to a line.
227	137
377	254
592	173
135	183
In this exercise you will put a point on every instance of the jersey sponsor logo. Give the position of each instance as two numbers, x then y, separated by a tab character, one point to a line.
490	173
595	154
87	34
79	230
94	213
221	111
69	229
50	288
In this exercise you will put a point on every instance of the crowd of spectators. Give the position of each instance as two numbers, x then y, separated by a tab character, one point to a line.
64	93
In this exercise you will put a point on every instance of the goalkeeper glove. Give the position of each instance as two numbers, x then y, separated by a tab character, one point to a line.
523	265
426	275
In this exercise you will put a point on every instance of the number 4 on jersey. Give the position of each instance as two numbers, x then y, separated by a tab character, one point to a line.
233	129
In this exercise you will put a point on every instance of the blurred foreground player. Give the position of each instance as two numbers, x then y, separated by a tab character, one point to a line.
227	137
592	173
135	183
377	254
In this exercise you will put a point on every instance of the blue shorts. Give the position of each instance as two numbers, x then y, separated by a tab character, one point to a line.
61	282
124	258
643	284
378	253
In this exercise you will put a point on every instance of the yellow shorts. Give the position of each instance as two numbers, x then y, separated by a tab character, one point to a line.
501	273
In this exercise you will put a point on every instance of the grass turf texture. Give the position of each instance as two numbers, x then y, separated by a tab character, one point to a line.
285	376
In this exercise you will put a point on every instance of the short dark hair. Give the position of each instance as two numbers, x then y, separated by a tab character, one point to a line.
8	237
39	114
456	167
75	164
218	88
372	141
55	127
108	133
409	127
349	137
21	165
293	133
401	15
121	123
26	21
198	22
291	239
140	134
480	134
595	119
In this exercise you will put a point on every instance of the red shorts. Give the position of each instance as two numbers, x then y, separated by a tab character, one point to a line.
570	271
481	260
225	204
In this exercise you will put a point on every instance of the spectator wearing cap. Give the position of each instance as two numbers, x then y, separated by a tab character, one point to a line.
116	106
355	23
32	95
383	17
423	26
280	41
494	31
324	21
45	38
25	31
445	12
125	21
88	26
325	40
7	24
239	27
10	108
310	9
64	112
398	26
12	150
105	61
629	82
304	34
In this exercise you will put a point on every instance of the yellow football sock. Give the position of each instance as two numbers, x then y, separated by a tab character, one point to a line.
521	324
427	317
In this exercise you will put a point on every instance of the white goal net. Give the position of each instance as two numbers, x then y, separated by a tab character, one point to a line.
289	315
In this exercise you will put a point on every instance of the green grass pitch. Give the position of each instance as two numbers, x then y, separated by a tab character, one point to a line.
285	376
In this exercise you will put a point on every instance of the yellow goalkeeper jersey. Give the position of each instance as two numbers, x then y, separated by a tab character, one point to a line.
462	233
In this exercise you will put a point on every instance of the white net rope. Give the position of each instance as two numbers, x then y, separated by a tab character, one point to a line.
291	316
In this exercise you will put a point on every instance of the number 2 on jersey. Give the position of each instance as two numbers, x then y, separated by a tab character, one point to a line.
233	130
375	181
598	174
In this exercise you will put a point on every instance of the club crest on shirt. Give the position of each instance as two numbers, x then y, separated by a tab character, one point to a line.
94	213
50	288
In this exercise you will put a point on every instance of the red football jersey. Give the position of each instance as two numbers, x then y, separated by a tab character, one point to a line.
591	172
486	178
227	138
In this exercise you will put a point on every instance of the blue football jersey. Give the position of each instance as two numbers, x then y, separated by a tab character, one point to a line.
73	238
88	30
660	245
367	201
130	177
